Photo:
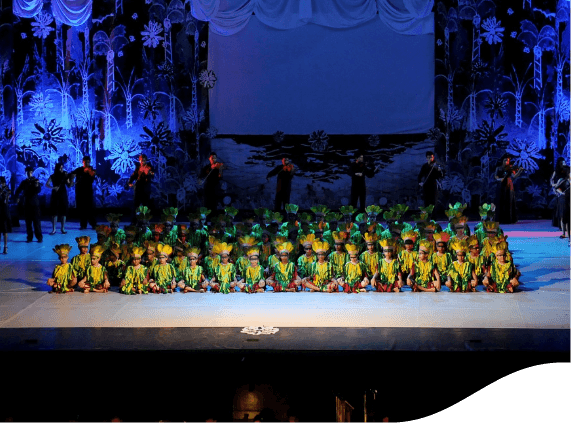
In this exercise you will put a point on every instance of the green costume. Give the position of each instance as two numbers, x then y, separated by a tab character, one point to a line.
209	264
338	261
180	264
461	275
371	261
320	274
406	259
479	262
81	263
118	238
192	276
388	272
501	274
134	280
225	273
63	274
354	273
198	238
253	275
284	274
303	263
442	263
241	264
171	237
423	272
115	271
95	277
162	275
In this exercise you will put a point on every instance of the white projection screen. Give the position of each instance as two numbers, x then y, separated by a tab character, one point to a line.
361	80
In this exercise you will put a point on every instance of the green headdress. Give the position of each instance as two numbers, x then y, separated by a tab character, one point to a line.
194	217
347	210
171	211
276	217
143	213
204	212
304	217
391	215
320	209
231	211
262	211
361	218
291	208
487	211
113	217
458	206
422	217
452	213
333	217
428	210
400	209
374	210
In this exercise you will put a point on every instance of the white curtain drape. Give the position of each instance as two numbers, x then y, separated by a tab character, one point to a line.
68	12
227	17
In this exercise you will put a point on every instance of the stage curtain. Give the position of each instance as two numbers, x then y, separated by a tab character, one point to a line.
227	17
68	12
27	8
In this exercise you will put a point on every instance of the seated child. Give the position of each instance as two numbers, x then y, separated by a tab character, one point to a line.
63	278
150	259
192	275
95	279
442	258
284	276
370	257
424	275
476	258
306	259
461	276
502	275
339	257
246	242
355	278
82	261
135	279
389	276
254	274
162	276
114	265
180	262
320	273
224	279
407	256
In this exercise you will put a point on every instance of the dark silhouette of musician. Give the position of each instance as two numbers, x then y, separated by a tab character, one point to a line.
31	187
285	173
428	177
141	179
358	171
210	177
84	177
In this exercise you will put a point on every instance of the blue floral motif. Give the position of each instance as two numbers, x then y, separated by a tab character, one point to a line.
151	35
494	31
513	34
41	27
525	154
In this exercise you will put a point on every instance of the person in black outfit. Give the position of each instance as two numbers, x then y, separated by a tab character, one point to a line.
558	173
84	177
141	178
506	200
59	201
210	177
359	170
5	220
428	177
285	173
562	189
31	188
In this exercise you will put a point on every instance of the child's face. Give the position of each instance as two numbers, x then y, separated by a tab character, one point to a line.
501	256
475	250
254	261
388	254
224	258
354	258
63	258
308	251
168	226
371	247
156	236
408	247
150	255
265	239
179	253
192	260
429	236
422	255
461	257
136	261
83	250
94	260
321	257
130	239
440	247
113	258
284	257
162	259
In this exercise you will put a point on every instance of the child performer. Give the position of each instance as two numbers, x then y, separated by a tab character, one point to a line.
320	273
246	242
63	278
371	257
423	275
305	260
284	274
459	227
477	259
135	280
442	258
224	279
461	275
162	277
95	279
407	256
151	261
127	247
192	275
114	265
82	261
116	235
502	276
339	257
180	262
210	262
388	277
254	273
354	278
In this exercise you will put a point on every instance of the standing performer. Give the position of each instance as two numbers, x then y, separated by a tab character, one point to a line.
429	174
358	171
5	221
210	178
141	178
285	173
84	177
31	188
506	201
58	201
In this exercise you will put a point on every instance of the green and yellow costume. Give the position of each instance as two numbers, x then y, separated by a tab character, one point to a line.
115	271
303	263
502	274
338	261
424	273
81	263
320	274
192	276
225	273
371	261
388	271
63	274
163	275
180	263
134	280
442	262
95	277
461	275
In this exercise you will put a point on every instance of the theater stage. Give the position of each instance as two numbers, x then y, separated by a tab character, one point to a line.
534	319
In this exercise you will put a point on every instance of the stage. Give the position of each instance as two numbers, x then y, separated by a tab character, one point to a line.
533	319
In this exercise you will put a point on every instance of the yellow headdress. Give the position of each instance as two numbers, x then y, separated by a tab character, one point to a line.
459	245
115	249
192	251
430	228
97	251
370	237
352	249
409	235
339	237
425	245
279	240
459	221
222	248
138	252
212	240
83	241
500	246
442	237
307	239
472	241
247	241
253	252
103	230
164	249
387	244
490	226
62	249
285	247
151	245
320	247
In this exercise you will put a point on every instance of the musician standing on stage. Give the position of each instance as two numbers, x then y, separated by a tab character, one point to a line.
58	182
285	173
84	177
359	170
210	176
31	188
429	174
506	211
141	178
